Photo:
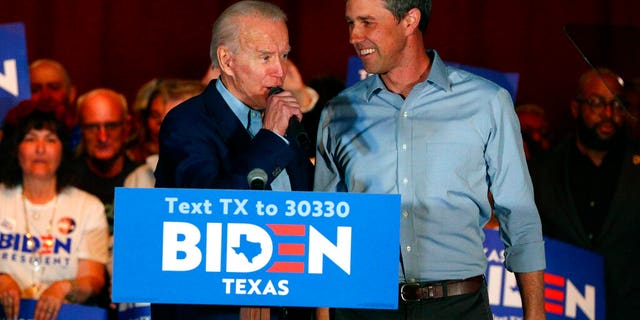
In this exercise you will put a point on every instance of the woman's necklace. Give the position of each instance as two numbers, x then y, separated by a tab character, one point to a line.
47	242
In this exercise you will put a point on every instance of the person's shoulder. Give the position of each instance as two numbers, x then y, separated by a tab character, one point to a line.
460	77
80	196
352	94
552	158
129	166
188	110
6	191
139	177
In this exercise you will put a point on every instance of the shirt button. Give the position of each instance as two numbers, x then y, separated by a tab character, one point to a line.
405	114
405	214
408	248
404	146
405	180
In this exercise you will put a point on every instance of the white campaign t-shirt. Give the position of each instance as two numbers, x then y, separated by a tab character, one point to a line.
78	229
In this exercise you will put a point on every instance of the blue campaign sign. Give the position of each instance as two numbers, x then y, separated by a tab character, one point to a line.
571	292
260	248
14	67
67	311
507	80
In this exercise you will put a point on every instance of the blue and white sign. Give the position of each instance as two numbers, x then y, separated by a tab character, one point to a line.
14	67
260	248
570	291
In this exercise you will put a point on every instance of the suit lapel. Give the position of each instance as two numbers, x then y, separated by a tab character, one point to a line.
626	188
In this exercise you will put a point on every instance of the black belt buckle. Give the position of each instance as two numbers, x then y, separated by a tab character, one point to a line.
408	285
429	288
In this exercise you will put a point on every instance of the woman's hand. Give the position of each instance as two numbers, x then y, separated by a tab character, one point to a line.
51	299
9	296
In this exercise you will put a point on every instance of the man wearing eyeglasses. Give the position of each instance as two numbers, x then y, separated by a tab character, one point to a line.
102	163
586	189
103	117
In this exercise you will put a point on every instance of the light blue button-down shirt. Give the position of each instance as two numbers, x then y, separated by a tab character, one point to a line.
454	138
252	120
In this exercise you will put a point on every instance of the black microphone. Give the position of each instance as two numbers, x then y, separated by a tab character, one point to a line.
257	179
295	129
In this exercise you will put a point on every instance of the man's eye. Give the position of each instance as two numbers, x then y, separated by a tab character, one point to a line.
55	86
594	102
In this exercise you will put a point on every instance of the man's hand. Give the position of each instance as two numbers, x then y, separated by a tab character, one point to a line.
280	108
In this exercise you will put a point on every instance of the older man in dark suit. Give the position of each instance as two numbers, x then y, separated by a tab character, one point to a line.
216	139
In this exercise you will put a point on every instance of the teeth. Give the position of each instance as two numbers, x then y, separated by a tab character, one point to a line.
367	51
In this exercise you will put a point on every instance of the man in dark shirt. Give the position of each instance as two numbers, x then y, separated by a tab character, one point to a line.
586	189
102	166
215	139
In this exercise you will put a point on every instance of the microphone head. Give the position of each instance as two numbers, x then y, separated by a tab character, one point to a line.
257	179
274	90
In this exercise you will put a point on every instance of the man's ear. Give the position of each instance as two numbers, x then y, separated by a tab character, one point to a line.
411	20
575	108
73	94
225	59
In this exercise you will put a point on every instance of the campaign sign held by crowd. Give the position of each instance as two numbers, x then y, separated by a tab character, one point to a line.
14	68
243	247
571	291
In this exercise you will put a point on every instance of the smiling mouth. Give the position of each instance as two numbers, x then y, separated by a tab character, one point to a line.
364	52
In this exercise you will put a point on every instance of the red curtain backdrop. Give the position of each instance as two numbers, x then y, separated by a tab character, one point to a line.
121	44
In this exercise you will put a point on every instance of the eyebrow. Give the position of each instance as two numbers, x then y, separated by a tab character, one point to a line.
264	51
359	18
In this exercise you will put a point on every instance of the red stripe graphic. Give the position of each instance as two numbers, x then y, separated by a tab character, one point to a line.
553	308
291	249
552	294
288	229
554	280
290	267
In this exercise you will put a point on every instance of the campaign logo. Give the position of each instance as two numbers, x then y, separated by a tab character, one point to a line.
250	248
563	297
14	68
45	244
569	292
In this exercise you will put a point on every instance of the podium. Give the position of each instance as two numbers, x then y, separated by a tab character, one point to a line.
256	249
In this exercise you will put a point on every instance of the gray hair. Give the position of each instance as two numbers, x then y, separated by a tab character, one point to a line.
399	9
122	101
225	29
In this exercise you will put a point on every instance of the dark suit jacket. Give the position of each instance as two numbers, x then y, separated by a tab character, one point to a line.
204	145
619	240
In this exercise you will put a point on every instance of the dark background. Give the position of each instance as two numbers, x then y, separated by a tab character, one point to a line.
121	44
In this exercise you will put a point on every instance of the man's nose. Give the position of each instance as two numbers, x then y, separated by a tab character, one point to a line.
103	134
355	35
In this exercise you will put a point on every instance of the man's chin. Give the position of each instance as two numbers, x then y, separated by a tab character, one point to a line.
98	158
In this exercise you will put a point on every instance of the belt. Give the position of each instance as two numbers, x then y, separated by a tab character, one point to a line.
419	291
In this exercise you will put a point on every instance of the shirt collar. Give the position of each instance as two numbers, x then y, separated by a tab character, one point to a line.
239	109
438	76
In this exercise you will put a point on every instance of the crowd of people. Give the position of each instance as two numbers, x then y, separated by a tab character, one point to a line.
450	143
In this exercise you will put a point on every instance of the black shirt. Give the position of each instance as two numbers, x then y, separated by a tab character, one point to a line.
592	187
103	188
